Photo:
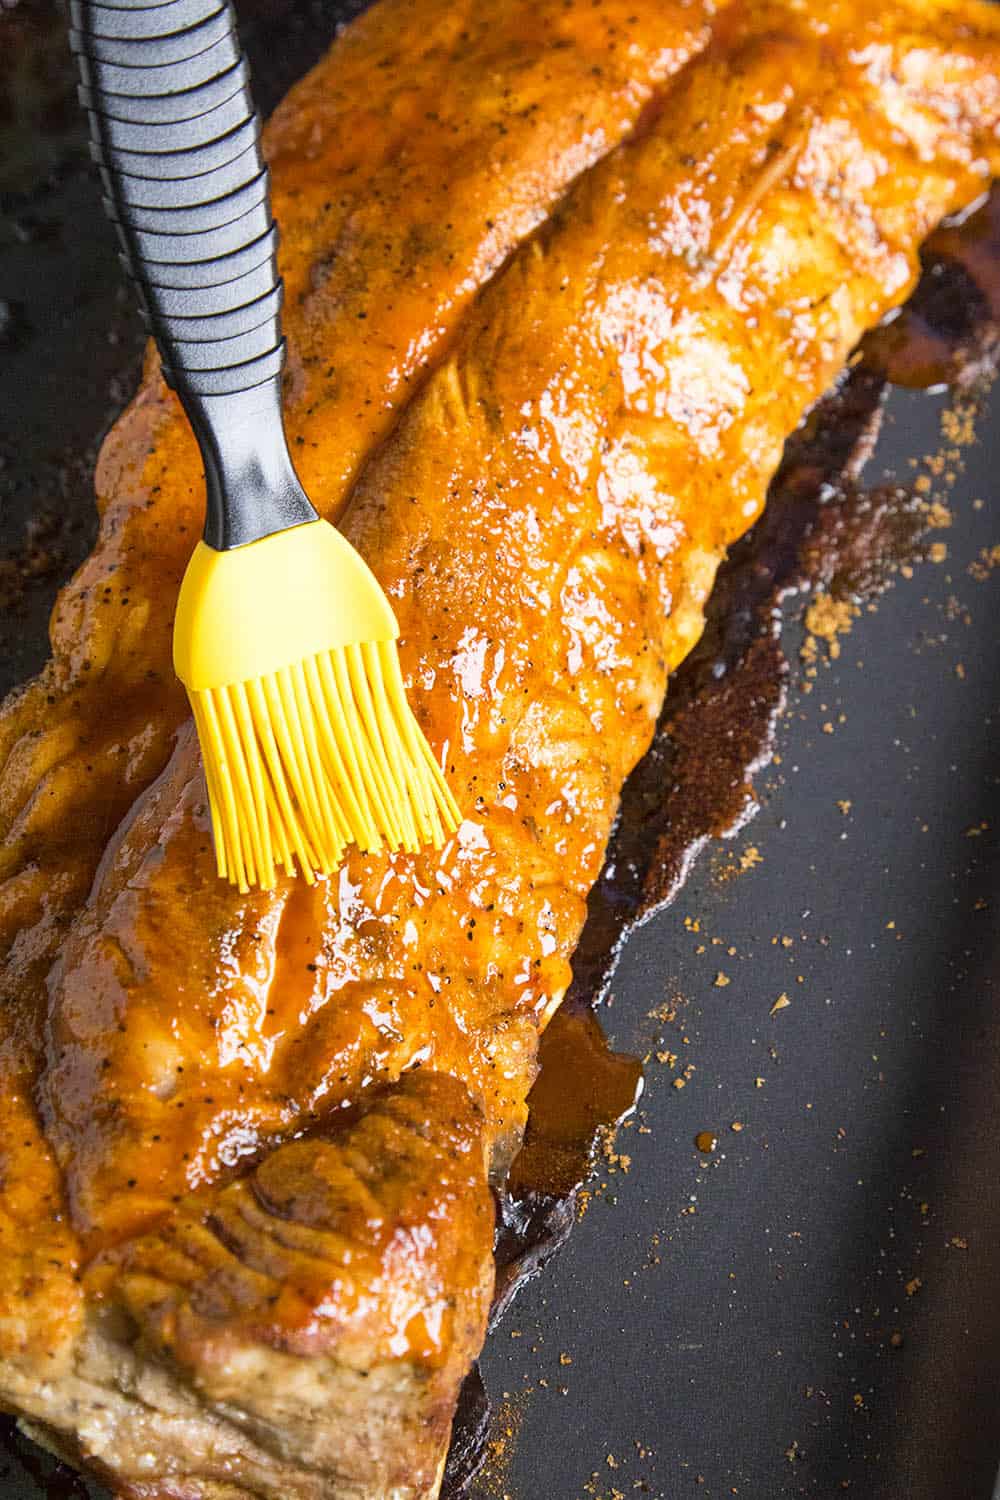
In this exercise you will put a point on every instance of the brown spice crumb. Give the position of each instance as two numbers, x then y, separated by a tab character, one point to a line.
829	618
737	1125
896	1339
781	1003
721	980
937	552
913	1286
958	426
988	559
844	804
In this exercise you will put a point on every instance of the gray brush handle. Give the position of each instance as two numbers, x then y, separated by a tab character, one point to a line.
176	137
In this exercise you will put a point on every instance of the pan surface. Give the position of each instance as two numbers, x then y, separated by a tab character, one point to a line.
813	1307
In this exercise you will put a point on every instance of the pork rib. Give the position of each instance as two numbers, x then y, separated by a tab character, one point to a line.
547	516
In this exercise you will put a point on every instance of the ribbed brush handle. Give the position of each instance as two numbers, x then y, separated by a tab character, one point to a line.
177	140
176	136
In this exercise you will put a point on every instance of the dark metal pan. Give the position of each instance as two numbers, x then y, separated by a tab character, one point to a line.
773	1343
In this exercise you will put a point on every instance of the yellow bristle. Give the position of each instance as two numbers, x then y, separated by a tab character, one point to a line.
305	760
287	646
390	774
284	715
377	785
262	816
330	810
439	804
287	832
339	720
228	826
395	749
337	759
420	752
211	782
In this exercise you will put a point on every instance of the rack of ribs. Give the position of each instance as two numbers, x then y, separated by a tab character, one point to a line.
560	281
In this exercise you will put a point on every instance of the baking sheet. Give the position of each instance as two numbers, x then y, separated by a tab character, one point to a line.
814	1308
733	1317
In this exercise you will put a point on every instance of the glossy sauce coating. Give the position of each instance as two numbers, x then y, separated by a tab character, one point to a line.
406	166
547	517
547	520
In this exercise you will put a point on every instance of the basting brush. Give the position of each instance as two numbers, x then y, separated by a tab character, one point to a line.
283	638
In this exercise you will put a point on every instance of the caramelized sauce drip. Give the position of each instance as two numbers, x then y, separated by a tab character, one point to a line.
582	1091
706	1141
582	1087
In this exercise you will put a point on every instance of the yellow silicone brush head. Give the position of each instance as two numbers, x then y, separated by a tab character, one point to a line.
287	648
